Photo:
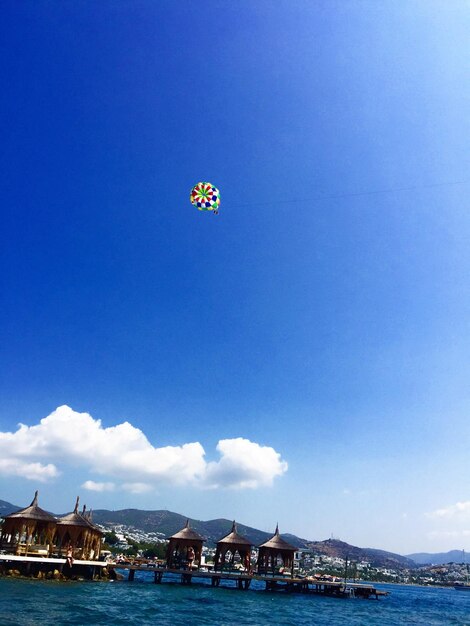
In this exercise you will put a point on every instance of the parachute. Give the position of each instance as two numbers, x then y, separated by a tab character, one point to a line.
205	197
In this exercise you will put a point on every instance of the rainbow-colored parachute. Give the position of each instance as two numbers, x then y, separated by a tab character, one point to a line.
205	197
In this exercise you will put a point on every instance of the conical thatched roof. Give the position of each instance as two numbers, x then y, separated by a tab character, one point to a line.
73	519
277	542
33	512
87	519
187	533
234	538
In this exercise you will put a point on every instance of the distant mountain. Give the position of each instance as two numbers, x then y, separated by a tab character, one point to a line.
6	508
439	558
377	558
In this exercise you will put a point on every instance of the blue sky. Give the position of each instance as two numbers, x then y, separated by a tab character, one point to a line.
323	315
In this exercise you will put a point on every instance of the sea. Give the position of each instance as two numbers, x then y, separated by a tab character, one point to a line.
28	602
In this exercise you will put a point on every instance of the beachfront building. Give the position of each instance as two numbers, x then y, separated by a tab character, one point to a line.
28	531
227	549
184	548
276	556
77	531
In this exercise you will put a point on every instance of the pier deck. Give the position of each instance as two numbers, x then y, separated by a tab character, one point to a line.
47	560
272	583
242	580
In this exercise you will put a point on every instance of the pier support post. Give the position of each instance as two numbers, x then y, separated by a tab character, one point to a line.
131	575
158	578
186	579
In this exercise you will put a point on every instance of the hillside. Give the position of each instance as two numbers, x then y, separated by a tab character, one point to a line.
377	558
6	508
168	523
439	558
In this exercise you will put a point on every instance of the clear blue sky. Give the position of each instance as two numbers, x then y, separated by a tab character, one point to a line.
313	315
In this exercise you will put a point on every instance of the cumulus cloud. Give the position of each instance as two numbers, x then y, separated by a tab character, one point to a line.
123	452
91	485
137	487
244	464
33	471
460	510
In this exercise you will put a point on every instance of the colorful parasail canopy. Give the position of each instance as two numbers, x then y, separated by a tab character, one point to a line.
205	197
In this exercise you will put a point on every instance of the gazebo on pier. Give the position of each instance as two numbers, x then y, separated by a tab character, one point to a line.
76	530
179	548
274	550
230	545
94	537
30	530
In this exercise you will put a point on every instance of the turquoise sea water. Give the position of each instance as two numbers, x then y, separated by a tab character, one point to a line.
30	602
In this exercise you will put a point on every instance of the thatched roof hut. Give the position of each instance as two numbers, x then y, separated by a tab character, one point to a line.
75	530
93	547
232	543
73	519
32	512
273	550
184	548
29	530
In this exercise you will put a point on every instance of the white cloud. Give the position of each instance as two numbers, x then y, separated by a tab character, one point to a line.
137	487
460	510
448	534
91	485
33	471
123	452
244	464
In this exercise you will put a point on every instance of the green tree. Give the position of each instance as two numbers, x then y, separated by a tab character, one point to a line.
111	538
153	550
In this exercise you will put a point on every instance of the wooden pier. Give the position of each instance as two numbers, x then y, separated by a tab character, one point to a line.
243	581
48	560
30	565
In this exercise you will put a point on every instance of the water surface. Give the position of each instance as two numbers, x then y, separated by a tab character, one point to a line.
26	602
